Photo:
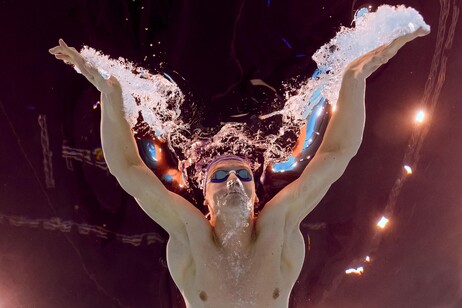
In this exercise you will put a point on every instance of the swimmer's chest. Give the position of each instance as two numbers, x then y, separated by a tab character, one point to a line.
206	276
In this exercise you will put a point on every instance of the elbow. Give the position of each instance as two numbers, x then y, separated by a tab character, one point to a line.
117	169
351	151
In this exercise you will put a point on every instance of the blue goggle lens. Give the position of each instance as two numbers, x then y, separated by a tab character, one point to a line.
221	175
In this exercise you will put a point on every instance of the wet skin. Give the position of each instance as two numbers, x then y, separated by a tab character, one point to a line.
235	259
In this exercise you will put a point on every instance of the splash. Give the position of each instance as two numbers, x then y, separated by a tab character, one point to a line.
238	262
235	200
159	100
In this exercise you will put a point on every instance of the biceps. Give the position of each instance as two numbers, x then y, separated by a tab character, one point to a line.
154	199
137	180
309	189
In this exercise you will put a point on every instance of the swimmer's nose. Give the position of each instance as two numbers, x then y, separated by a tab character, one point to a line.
233	180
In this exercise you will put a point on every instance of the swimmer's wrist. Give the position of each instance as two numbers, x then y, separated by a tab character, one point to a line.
351	74
110	87
113	94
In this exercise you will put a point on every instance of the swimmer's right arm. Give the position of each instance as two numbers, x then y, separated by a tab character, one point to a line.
170	211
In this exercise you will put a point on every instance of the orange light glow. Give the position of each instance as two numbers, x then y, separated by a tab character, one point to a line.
357	271
420	117
408	169
383	222
299	145
177	177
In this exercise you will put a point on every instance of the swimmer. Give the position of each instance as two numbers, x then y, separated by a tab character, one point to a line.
235	259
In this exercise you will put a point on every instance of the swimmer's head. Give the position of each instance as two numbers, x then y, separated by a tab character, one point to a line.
216	161
229	179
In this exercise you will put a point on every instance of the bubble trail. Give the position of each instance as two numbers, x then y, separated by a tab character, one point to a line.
66	226
53	209
433	87
47	154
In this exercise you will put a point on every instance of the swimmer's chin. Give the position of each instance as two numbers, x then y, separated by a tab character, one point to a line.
235	197
236	194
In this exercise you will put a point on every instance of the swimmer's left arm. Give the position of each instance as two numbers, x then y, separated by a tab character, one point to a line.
342	138
340	144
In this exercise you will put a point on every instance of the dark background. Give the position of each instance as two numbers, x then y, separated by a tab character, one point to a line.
218	47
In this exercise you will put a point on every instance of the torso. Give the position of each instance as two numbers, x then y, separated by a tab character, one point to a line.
208	277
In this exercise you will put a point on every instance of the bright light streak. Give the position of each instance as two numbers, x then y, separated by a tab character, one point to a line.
320	110
383	222
420	117
408	169
334	107
357	271
368	259
287	43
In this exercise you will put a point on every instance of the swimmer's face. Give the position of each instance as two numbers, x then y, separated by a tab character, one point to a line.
230	182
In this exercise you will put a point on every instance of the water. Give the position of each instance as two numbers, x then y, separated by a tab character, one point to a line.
233	211
159	99
237	201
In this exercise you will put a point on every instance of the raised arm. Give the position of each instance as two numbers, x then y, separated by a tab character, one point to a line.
169	210
341	140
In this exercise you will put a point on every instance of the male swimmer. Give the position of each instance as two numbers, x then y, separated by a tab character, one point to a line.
235	259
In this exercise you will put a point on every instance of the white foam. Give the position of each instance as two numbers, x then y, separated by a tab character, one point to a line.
154	96
372	30
159	100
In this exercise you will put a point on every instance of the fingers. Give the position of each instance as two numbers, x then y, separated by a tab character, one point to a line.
71	56
422	32
61	48
384	53
64	58
54	50
62	43
65	50
389	51
68	54
401	41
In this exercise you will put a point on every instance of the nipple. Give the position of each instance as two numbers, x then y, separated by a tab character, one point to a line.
203	296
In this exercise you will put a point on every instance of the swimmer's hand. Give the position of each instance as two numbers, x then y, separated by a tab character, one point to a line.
367	64
71	56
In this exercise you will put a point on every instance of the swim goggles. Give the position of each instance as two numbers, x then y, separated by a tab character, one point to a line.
220	176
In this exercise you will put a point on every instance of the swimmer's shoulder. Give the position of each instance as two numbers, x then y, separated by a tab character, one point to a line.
195	227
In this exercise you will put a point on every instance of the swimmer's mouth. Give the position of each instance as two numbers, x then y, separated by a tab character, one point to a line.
234	192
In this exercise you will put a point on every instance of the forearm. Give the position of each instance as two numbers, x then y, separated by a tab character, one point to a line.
346	126
118	142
